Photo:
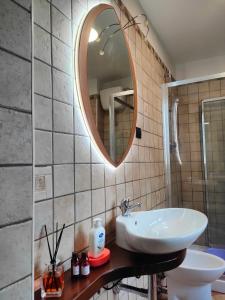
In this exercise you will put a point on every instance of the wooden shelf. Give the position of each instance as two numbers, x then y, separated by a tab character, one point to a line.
121	265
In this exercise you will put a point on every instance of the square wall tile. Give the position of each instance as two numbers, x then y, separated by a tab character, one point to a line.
42	44
62	56
43	112
63	6
83	206
110	221
63	117
43	147
43	216
42	79
110	176
63	179
15	29
129	190
43	183
96	156
120	193
42	13
63	148
64	210
80	126
61	26
62	87
21	290
79	8
82	177
110	192
16	194
82	149
120	174
128	171
15	137
19	256
82	230
98	201
15	73
97	176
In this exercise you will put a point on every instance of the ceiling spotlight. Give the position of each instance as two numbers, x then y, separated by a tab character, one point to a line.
93	35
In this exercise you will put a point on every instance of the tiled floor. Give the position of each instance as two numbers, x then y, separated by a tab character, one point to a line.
216	296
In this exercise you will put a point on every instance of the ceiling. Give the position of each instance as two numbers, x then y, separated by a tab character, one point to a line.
189	30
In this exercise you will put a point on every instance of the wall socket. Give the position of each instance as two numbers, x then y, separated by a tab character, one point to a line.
40	183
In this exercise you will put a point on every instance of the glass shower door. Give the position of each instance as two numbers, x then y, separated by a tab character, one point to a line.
213	130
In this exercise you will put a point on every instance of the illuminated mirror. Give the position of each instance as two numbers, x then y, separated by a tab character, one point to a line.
107	83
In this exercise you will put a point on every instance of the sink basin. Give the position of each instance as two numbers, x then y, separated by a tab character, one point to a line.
160	231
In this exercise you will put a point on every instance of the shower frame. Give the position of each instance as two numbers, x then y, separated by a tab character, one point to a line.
166	134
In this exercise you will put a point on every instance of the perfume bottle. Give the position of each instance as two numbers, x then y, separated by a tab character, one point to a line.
52	281
75	266
84	265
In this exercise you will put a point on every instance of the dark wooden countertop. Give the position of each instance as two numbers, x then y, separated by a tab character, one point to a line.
121	265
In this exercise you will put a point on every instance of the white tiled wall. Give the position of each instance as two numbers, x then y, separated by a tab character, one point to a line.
15	150
74	183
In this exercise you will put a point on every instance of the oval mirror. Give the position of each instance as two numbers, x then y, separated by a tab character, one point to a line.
107	83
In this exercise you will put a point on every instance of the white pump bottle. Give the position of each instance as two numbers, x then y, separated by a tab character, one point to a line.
96	238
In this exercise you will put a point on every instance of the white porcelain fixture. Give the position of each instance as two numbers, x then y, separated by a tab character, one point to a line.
159	231
193	278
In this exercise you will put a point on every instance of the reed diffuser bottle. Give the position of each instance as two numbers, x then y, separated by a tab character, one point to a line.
53	275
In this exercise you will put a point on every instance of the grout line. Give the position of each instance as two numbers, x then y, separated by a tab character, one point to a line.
14	282
69	19
15	54
53	232
21	6
19	110
41	95
57	38
15	165
54	131
51	66
52	98
16	223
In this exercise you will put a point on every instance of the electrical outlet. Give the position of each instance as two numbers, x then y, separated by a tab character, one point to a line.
40	183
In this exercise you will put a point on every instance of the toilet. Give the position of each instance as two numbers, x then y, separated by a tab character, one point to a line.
193	278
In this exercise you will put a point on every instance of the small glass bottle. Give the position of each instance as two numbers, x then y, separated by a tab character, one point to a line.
52	281
84	265
75	266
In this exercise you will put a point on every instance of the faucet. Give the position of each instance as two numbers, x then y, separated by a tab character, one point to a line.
126	207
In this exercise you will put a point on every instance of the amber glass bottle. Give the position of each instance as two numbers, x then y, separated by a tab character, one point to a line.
84	265
75	266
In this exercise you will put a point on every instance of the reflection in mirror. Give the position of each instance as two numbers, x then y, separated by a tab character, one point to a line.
110	84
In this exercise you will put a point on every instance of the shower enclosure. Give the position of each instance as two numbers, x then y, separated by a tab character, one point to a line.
213	146
194	148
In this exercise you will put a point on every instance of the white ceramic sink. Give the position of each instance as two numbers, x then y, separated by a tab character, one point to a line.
160	231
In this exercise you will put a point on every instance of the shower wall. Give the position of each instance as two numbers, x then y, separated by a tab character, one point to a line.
191	172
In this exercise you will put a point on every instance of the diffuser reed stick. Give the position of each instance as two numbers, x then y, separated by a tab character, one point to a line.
58	242
53	278
49	249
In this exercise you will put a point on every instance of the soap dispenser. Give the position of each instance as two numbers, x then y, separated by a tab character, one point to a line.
96	238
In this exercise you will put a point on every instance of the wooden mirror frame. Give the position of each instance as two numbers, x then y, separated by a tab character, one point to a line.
84	100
